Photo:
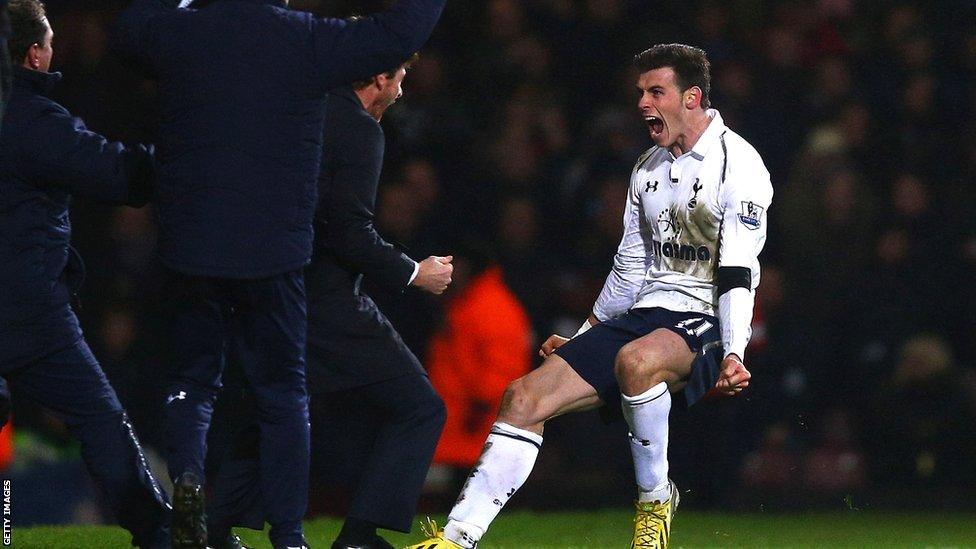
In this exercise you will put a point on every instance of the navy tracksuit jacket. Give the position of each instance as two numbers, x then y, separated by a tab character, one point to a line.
46	156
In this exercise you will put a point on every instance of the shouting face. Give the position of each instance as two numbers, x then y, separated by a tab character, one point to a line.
664	107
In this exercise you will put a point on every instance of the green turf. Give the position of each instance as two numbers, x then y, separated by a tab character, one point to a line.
611	529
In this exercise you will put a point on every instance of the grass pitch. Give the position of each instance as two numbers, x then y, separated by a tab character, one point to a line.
611	529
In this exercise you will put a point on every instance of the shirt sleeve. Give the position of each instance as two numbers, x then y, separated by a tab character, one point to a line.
629	264
416	271
346	51
745	198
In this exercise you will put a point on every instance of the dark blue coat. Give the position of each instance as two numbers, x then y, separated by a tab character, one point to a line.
46	155
243	86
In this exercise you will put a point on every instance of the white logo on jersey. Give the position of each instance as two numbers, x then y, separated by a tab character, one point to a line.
174	397
686	325
694	199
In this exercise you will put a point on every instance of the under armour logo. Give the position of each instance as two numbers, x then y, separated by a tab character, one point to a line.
642	442
694	199
178	396
650	188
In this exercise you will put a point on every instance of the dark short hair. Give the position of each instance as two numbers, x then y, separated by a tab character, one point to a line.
27	23
360	84
690	66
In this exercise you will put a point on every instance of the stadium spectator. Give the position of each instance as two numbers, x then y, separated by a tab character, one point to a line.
922	419
482	345
836	467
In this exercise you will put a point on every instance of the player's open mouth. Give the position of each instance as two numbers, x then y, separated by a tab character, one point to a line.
655	124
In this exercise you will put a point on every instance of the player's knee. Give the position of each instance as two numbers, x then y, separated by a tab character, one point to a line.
629	363
519	405
636	368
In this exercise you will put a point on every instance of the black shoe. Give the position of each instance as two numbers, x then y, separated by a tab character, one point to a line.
232	541
376	543
189	528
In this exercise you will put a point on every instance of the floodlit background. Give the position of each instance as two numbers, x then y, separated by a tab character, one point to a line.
519	129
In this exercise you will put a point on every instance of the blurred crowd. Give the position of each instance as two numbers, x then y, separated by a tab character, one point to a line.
519	128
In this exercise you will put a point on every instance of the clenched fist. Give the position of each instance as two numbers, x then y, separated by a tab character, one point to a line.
554	342
434	274
734	377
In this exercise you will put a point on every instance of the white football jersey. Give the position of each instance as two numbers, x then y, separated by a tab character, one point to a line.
686	217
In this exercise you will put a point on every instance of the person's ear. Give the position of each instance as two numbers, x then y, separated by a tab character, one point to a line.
692	98
33	57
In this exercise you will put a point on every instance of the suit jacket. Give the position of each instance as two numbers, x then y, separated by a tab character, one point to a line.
46	155
350	341
242	87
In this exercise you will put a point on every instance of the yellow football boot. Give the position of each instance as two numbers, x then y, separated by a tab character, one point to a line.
652	525
435	538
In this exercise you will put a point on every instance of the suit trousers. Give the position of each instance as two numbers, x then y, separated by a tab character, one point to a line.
262	324
71	383
376	441
384	435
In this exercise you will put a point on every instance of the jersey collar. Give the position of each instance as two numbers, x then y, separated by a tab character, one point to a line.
709	137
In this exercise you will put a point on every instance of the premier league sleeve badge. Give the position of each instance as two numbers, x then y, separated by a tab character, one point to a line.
751	215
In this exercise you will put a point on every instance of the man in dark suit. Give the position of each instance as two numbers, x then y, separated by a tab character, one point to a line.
370	395
242	86
46	156
356	358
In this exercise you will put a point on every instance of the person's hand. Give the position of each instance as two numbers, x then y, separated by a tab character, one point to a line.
734	377
434	274
554	342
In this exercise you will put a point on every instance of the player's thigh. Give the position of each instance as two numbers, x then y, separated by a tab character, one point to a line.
661	355
548	391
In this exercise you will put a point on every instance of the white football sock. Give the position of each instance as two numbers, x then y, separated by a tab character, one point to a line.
505	464
647	417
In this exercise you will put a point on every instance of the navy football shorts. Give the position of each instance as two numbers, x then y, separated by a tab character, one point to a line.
593	353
